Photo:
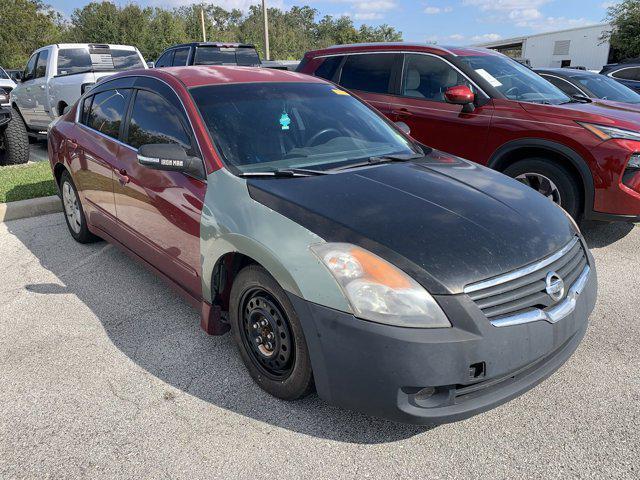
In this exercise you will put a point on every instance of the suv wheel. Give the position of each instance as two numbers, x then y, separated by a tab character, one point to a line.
269	335
14	141
549	179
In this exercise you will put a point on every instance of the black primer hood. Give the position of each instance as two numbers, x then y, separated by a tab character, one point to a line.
445	221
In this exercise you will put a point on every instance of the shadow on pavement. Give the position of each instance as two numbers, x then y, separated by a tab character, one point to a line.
600	234
160	332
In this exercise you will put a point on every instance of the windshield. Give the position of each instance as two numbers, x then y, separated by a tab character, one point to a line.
263	127
515	81
607	88
230	56
77	60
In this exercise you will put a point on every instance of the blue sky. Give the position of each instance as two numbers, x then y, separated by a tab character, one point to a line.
456	22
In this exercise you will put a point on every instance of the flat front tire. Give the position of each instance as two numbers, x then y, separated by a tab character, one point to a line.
269	336
73	211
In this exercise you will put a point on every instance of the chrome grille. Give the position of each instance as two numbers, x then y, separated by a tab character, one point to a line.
525	289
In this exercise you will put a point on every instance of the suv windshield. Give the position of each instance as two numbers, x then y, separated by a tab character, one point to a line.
264	127
77	60
607	88
515	81
242	56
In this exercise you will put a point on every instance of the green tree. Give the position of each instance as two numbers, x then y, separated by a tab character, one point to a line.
625	34
26	25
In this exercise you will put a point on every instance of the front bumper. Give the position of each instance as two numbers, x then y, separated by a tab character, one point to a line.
473	366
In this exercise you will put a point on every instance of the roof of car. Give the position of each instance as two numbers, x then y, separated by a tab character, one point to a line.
196	76
213	44
423	47
565	72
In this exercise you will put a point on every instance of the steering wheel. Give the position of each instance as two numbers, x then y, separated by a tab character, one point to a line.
512	89
313	140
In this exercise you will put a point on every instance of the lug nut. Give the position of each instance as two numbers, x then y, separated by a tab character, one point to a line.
263	323
255	326
270	336
269	346
259	340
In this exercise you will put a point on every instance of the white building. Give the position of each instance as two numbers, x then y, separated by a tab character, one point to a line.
575	47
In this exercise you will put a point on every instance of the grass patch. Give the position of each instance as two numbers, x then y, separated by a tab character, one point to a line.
20	182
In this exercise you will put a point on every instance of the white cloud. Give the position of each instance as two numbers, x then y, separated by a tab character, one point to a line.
486	37
430	10
368	10
227	4
375	5
368	16
525	15
456	37
556	23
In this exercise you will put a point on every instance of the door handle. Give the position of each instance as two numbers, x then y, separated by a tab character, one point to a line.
403	112
72	144
123	178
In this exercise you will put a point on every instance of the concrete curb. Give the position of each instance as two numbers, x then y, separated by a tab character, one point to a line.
29	208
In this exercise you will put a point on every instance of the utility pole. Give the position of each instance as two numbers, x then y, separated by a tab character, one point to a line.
204	33
266	29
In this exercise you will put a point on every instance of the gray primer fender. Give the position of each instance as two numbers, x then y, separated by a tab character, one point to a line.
233	222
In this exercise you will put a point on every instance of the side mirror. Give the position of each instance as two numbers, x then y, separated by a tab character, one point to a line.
17	76
66	109
581	98
404	127
169	156
461	95
151	64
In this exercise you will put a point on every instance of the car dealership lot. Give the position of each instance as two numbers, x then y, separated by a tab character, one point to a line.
105	372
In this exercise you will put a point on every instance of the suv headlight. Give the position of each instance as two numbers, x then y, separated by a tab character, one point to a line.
379	291
607	133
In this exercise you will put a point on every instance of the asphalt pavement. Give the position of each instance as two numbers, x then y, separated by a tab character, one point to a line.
105	373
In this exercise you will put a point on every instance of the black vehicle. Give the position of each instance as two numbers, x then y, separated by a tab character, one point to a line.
209	53
627	73
580	83
14	143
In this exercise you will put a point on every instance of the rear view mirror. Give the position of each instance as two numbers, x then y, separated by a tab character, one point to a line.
461	95
404	127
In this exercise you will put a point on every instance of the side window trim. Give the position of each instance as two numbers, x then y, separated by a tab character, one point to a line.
46	66
31	76
613	74
564	80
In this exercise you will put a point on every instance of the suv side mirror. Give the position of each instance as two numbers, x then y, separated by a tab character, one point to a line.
17	76
169	156
461	95
151	64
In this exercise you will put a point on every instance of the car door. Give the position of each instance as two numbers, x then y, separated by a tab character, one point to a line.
371	77
420	103
160	210
41	114
23	94
629	76
94	147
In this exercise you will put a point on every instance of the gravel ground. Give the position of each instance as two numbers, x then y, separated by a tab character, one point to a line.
105	373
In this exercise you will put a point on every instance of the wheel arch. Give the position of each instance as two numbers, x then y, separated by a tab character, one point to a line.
511	152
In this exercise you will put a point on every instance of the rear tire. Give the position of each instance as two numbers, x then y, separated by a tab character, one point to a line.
15	141
73	211
269	335
551	180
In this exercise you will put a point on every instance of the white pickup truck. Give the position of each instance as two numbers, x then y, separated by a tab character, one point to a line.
57	75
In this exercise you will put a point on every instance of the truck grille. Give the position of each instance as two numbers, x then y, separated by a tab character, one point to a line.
525	289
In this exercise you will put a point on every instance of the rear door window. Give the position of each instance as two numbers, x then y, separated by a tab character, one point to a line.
154	121
107	111
180	57
369	72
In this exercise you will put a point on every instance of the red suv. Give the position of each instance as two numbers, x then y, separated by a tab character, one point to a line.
483	106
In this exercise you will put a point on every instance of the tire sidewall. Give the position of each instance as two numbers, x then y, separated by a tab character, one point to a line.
571	198
15	141
84	235
300	381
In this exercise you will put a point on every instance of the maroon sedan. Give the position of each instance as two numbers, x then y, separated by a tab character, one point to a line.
483	106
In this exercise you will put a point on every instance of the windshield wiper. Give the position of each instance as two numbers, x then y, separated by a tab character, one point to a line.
377	160
284	173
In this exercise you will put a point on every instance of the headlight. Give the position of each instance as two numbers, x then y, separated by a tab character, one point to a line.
607	133
377	290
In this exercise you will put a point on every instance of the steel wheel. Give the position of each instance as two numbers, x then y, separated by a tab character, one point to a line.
71	207
266	333
541	184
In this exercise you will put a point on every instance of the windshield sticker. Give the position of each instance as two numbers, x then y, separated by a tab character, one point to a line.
285	121
488	77
339	92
